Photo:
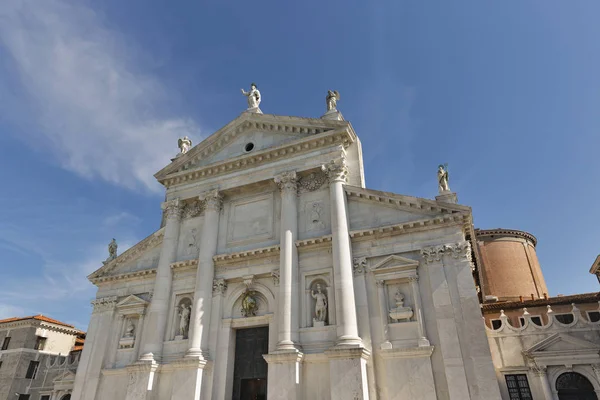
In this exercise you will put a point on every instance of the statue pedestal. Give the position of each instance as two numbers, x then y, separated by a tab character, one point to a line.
333	114
447	197
179	337
318	324
255	110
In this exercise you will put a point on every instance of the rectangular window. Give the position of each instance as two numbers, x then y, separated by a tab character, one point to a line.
32	370
40	342
565	318
45	397
518	387
593	316
5	343
24	397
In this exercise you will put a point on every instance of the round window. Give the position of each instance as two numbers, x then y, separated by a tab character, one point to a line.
249	147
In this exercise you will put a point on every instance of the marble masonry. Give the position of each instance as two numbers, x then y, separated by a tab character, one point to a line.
277	274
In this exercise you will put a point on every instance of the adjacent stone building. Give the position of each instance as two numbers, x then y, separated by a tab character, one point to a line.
277	274
545	348
38	358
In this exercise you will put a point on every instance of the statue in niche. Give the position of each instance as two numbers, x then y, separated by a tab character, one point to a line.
184	319
315	217
249	304
185	144
253	96
320	306
130	330
442	175
400	312
332	98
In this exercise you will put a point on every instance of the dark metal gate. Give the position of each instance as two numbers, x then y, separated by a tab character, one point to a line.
250	368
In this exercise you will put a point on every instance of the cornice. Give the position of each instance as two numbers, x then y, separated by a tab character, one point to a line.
481	233
184	265
151	241
314	242
246	255
126	276
31	323
259	158
411	226
406	202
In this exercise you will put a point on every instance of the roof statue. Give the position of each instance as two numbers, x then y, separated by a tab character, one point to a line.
253	98
112	251
332	98
442	175
185	144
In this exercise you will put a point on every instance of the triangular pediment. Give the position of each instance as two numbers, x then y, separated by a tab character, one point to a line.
394	263
262	130
560	343
131	301
370	209
142	255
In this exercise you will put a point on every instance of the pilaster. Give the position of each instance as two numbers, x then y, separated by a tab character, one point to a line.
540	371
285	375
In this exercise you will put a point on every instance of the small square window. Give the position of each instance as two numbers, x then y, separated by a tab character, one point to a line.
593	316
565	318
32	370
24	397
496	324
40	343
5	343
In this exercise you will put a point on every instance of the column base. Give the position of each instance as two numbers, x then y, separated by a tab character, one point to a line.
197	354
288	345
285	374
142	380
349	341
348	373
190	377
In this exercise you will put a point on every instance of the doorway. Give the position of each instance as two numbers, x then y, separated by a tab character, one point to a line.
250	368
574	386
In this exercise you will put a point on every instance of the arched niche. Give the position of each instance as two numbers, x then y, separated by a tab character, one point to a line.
313	283
183	309
264	296
572	385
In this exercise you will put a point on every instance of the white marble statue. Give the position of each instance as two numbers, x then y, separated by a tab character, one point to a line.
332	98
112	249
442	175
253	96
185	144
130	330
184	319
321	306
399	297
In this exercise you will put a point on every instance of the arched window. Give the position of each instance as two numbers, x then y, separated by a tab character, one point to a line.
574	386
66	397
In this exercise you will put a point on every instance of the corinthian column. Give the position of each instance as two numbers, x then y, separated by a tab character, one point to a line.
159	307
288	263
347	328
200	318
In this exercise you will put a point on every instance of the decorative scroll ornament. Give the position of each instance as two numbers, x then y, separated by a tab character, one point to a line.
212	200
104	304
219	286
312	182
413	278
275	276
336	170
173	209
380	283
456	250
193	209
359	266
287	181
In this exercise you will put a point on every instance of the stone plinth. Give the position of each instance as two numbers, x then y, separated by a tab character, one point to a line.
285	375
447	197
348	373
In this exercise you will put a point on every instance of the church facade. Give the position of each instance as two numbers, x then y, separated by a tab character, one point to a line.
277	274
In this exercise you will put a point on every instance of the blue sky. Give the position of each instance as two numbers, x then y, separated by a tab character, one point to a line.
93	96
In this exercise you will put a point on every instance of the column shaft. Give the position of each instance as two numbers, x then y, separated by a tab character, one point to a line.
200	318
288	263
159	306
347	328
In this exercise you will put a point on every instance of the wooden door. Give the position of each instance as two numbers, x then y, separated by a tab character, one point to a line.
250	368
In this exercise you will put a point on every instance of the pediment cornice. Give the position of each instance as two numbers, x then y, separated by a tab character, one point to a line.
130	254
543	347
412	226
394	263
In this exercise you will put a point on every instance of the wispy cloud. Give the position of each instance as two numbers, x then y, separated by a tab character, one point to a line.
92	105
120	218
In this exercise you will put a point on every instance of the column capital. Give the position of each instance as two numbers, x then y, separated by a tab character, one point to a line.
538	370
104	304
359	266
275	276
380	283
213	200
287	181
173	209
414	278
219	286
336	170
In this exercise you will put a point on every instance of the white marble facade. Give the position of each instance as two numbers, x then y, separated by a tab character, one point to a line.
275	221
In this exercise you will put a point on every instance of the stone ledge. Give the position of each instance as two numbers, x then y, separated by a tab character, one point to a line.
284	357
315	241
346	352
410	352
410	226
247	254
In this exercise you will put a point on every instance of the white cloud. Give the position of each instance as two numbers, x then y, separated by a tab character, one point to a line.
120	218
92	107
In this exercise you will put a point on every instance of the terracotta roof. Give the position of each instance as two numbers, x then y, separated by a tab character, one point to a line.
558	300
38	317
